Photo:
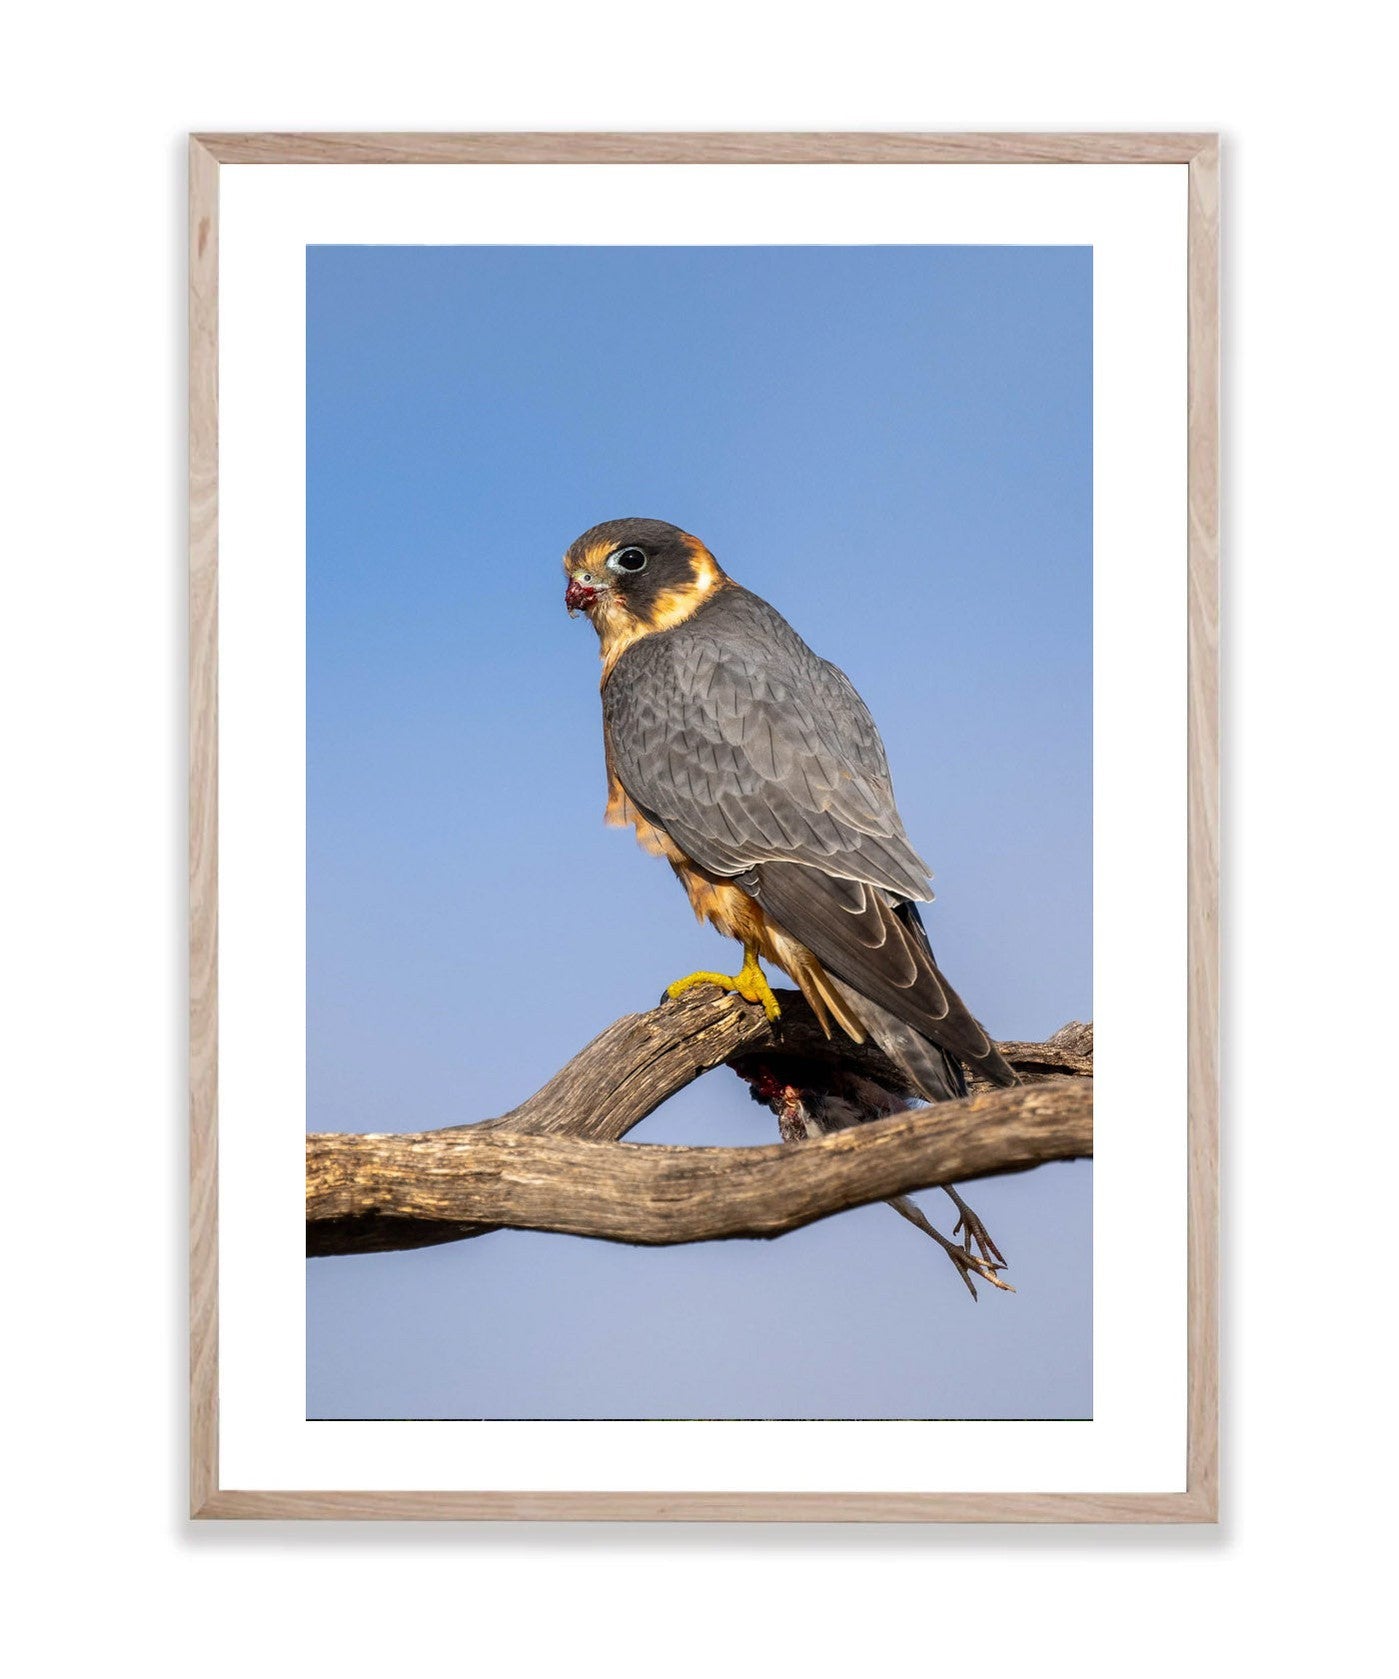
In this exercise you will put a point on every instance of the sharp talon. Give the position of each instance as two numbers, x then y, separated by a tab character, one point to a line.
749	983
725	982
753	987
968	1264
970	1228
761	992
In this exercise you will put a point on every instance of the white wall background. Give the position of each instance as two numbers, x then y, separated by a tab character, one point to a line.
97	101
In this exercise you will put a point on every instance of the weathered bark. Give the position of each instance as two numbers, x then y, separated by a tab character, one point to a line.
656	1194
552	1163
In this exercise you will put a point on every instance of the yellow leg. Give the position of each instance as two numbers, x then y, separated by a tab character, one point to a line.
749	982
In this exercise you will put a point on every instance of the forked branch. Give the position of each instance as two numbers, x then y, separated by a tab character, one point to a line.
553	1163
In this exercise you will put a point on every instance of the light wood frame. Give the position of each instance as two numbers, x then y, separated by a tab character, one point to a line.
1200	152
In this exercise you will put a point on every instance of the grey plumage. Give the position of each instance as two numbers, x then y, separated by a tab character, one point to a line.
763	764
752	749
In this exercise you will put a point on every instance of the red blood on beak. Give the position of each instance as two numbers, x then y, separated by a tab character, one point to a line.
578	597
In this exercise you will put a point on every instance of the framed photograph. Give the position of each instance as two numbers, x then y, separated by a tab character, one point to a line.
837	516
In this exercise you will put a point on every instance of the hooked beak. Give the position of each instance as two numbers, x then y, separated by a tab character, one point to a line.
578	597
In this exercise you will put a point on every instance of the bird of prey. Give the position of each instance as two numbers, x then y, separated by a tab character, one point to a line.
754	768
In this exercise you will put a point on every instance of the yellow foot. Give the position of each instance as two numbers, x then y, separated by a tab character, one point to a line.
750	983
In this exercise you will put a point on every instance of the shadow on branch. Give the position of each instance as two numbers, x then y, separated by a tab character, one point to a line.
554	1162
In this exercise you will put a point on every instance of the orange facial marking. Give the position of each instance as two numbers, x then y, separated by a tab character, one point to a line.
619	627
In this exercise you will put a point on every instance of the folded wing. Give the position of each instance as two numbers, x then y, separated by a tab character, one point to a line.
763	764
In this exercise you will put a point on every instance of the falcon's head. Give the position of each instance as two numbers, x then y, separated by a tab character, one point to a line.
632	576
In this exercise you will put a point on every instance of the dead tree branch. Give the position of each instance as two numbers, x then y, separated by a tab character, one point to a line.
657	1194
551	1163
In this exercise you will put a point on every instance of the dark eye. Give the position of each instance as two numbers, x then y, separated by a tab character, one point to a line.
628	559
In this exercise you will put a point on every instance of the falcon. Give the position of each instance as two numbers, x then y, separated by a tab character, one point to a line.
755	769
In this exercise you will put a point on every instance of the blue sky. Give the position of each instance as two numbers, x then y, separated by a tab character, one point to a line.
894	446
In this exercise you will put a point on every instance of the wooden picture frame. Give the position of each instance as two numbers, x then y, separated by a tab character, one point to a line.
1199	153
